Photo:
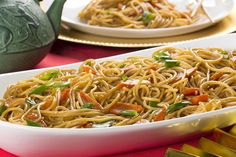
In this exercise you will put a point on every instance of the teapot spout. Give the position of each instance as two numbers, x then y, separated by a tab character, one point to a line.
54	14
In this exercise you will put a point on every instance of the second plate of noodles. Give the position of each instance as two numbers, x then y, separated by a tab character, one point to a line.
173	83
138	14
142	19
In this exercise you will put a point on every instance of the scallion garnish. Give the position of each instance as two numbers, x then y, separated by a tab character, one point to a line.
130	113
125	78
162	56
39	90
30	101
49	75
61	84
89	63
223	52
171	63
103	125
147	17
173	107
122	66
88	105
2	109
32	123
153	103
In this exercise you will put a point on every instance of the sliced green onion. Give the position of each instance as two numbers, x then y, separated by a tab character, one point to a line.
153	103
44	87
122	66
89	63
223	52
40	89
162	56
32	123
164	53
2	109
125	78
103	125
88	105
49	75
147	17
61	84
171	63
130	113
174	107
30	101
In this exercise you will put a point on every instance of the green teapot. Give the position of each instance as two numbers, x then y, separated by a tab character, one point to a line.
26	32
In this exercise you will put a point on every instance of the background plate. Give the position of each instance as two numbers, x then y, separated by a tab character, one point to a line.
227	25
216	9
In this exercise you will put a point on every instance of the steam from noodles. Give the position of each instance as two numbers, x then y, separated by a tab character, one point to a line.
136	14
173	83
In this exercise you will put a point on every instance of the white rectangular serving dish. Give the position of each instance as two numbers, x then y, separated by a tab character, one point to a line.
44	142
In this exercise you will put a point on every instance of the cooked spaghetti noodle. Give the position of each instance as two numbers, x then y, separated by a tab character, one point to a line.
136	14
173	83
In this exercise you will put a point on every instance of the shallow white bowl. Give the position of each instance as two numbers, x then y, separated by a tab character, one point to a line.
217	9
47	142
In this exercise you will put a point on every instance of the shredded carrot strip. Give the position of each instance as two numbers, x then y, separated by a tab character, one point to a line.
88	99
47	104
88	69
190	91
160	115
201	98
119	107
217	76
64	94
32	116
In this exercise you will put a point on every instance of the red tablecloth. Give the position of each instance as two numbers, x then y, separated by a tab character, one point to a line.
65	53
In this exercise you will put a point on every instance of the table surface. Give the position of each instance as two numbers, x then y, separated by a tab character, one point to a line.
65	53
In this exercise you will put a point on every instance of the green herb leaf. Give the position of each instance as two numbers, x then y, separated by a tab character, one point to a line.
49	75
89	63
147	17
61	84
122	66
30	101
43	88
162	56
2	109
40	89
171	63
223	52
130	113
153	103
32	123
125	78
88	105
173	107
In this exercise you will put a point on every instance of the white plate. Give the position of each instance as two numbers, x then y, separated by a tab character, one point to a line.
217	9
45	142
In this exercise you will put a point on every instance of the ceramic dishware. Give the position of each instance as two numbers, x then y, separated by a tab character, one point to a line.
26	32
